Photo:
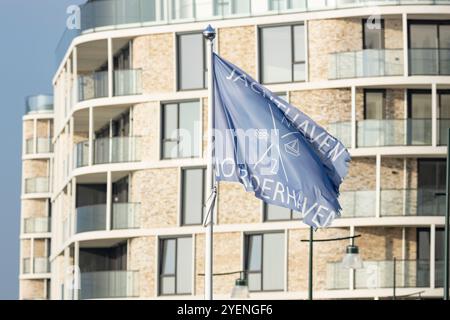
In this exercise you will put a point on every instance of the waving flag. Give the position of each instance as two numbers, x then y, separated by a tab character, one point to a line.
274	149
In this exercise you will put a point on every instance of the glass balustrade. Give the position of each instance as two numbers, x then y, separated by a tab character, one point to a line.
109	284
429	61
127	82
37	185
37	225
93	86
358	204
39	104
365	63
380	274
81	154
125	215
91	218
118	14
40	265
116	150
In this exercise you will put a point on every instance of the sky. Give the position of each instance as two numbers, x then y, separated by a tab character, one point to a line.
30	31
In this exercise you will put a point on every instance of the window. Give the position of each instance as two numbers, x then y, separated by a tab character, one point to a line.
277	213
193	196
181	130
175	268
229	7
192	69
423	257
374	101
429	43
372	35
431	187
287	63
264	261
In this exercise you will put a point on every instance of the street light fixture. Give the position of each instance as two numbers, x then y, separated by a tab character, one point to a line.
352	259
240	289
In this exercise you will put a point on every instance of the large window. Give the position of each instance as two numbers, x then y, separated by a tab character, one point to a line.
431	187
277	213
429	43
374	102
373	34
181	130
193	196
175	268
287	62
264	261
192	68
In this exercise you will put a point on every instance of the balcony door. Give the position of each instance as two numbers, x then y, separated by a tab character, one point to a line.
431	187
373	45
419	117
429	44
443	117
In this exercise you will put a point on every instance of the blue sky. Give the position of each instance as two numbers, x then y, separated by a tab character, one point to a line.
30	31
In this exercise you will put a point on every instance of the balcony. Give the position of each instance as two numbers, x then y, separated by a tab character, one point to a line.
39	104
93	86
390	132
393	203
365	63
37	225
380	274
116	150
81	154
127	82
43	145
433	62
40	265
109	285
37	185
93	218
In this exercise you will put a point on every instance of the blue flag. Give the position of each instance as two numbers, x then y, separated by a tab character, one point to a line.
274	149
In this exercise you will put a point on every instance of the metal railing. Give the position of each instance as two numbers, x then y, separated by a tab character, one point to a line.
365	63
109	284
37	225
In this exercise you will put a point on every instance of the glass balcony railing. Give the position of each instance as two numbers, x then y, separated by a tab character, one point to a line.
39	104
116	150
81	154
37	225
365	63
412	202
91	218
43	145
93	86
393	203
429	61
380	274
40	265
443	125
109	284
118	14
127	82
125	216
358	204
389	132
37	185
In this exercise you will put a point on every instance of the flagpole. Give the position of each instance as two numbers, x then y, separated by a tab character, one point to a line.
210	34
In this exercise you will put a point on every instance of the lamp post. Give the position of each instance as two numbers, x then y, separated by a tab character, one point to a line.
351	260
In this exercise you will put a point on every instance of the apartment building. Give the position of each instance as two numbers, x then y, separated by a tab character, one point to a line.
35	228
128	188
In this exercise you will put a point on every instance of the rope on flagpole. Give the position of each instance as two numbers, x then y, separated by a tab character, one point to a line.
212	202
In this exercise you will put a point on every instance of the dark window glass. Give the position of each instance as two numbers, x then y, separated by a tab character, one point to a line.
374	104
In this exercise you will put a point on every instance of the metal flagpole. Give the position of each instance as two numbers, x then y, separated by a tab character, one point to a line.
447	222
310	268
210	34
